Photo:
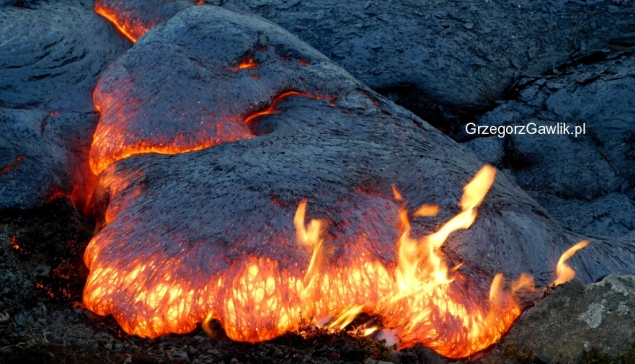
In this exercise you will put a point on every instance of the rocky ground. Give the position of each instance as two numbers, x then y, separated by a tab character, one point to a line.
493	63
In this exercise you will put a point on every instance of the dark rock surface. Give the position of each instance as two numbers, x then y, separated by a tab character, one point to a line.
575	318
442	60
609	215
343	154
586	182
43	156
51	55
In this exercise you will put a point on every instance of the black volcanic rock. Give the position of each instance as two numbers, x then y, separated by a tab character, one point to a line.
575	319
44	156
592	174
229	205
441	59
51	55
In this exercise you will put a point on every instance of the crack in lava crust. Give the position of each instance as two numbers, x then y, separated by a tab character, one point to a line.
113	141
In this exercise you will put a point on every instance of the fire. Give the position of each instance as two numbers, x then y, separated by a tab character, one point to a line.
563	270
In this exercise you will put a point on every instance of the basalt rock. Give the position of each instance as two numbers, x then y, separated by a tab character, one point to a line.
44	156
51	55
575	319
246	121
591	173
442	60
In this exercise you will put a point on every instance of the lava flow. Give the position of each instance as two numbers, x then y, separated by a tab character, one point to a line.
421	299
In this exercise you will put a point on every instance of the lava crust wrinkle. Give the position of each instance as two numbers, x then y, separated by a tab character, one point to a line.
210	233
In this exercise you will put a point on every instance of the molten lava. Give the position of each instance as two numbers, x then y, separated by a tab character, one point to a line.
247	65
130	30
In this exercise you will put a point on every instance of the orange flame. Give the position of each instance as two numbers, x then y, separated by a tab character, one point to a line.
563	270
524	283
396	193
427	210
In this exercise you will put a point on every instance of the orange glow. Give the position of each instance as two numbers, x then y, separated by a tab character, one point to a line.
247	65
17	247
396	193
524	283
12	165
420	299
427	211
345	318
564	271
272	108
113	141
130	31
369	331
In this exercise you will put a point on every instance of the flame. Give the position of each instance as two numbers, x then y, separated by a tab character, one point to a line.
396	193
369	331
563	270
524	283
420	300
345	318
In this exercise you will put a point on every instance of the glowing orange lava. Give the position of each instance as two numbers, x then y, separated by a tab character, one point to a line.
247	65
113	142
130	31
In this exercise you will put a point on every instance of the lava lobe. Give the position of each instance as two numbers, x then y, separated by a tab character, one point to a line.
199	206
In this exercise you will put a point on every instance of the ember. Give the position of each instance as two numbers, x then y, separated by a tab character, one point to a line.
12	165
